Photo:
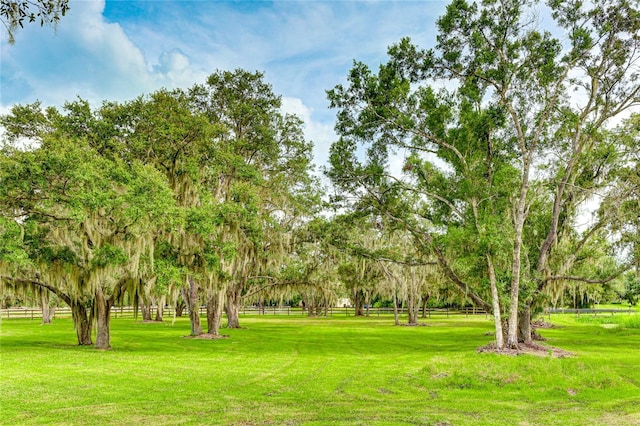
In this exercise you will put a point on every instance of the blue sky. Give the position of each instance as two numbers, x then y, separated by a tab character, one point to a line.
117	50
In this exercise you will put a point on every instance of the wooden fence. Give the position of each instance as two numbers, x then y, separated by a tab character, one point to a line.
35	313
129	312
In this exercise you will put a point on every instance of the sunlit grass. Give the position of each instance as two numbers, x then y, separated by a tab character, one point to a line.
280	370
609	321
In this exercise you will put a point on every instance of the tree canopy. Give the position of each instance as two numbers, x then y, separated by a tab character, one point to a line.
505	132
502	163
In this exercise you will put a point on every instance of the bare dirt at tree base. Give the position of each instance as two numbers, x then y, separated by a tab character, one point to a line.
528	349
208	336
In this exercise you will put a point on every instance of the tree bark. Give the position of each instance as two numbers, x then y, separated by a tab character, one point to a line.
145	308
180	305
47	309
215	304
524	326
396	319
234	298
358	303
425	301
160	308
519	218
81	322
412	312
190	296
495	302
305	303
103	315
413	304
367	302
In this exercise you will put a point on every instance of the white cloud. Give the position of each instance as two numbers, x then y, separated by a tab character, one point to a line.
320	133
87	57
304	48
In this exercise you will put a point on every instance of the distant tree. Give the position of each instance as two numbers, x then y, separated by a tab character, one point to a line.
632	287
13	14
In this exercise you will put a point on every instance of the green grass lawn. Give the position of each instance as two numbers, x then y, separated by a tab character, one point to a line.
283	370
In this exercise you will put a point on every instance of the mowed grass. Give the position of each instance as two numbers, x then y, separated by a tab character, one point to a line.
298	371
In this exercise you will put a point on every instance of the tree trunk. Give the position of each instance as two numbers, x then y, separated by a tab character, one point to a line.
103	315
412	308
325	306
81	322
395	308
524	326
495	303
145	308
412	299
160	308
358	303
180	305
367	302
47	309
518	220
190	296
234	298
215	304
413	315
305	303
425	301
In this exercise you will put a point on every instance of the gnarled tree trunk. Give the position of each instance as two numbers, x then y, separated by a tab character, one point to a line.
160	308
103	315
180	305
358	303
190	296
234	299
47	310
215	304
145	308
524	326
81	322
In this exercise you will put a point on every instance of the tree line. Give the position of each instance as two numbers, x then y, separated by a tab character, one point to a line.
506	135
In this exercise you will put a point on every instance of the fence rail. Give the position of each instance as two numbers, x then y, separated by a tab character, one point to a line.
130	312
588	311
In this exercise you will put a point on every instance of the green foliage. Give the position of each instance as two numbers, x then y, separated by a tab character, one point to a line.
14	13
632	288
505	132
108	255
12	250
